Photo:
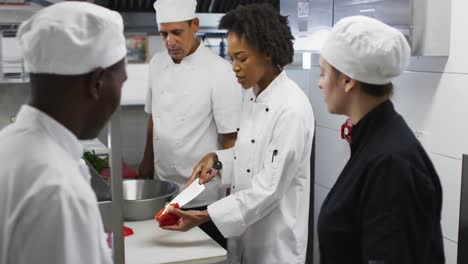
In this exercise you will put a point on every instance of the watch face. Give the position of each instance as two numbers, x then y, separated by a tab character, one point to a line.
218	165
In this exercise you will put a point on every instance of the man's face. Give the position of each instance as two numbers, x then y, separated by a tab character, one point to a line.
108	99
179	37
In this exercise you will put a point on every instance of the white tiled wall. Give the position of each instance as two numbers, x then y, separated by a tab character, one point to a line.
331	155
12	96
458	61
449	170
134	122
450	248
434	103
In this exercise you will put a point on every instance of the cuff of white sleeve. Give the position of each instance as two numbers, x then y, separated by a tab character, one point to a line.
148	109
226	156
225	214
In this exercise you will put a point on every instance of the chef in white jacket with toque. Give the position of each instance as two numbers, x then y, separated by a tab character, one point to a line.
266	216
75	53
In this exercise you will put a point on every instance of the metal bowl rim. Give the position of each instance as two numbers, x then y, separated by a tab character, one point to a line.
155	198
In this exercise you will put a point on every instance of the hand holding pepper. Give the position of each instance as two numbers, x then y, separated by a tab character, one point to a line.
165	217
188	219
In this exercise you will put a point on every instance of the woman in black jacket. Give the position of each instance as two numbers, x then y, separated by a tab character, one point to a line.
385	207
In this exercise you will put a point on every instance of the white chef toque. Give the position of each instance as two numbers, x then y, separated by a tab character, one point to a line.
72	38
366	50
174	10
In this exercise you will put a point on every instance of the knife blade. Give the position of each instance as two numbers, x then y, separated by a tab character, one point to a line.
187	195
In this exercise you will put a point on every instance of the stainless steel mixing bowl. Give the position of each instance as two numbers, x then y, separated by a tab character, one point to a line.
144	198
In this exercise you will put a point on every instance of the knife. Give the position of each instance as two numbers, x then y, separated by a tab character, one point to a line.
187	195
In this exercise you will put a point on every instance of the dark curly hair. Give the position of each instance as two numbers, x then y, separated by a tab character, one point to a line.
264	28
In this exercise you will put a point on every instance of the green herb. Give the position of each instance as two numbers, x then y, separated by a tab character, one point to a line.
98	163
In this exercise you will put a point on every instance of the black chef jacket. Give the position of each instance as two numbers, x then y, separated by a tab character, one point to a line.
385	206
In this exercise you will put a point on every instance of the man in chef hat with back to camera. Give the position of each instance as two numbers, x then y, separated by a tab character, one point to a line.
75	53
193	101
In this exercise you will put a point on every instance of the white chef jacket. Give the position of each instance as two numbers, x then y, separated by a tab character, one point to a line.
266	216
48	211
191	104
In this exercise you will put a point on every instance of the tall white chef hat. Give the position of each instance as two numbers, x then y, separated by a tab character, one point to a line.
72	38
367	50
174	10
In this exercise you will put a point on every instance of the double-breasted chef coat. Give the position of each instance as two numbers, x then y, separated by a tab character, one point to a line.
266	216
191	103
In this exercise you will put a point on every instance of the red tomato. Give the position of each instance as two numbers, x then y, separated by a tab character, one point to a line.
168	218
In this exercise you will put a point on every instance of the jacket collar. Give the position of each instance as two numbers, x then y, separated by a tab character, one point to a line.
266	94
371	122
190	60
29	116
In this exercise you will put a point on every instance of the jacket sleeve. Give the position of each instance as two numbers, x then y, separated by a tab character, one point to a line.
286	152
399	213
226	156
149	95
226	98
63	229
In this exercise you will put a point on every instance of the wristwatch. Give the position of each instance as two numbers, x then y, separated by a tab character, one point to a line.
218	165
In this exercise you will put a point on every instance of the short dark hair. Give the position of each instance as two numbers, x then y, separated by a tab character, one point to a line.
264	28
376	90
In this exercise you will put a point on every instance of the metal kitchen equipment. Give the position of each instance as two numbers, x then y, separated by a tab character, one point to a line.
101	188
188	194
142	199
113	216
310	20
425	23
11	65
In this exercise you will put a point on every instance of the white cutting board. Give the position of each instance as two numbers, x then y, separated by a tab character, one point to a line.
153	245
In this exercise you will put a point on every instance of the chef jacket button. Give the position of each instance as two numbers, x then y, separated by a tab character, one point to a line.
266	109
235	157
238	130
253	140
251	99
233	186
248	170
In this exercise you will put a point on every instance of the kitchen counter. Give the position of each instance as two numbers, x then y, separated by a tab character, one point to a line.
150	245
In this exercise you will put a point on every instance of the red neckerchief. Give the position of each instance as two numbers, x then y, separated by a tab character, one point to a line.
346	129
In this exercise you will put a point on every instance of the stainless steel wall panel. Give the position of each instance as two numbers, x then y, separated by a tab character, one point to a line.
425	23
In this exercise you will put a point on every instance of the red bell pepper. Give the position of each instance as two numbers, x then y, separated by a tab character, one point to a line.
127	172
128	231
167	218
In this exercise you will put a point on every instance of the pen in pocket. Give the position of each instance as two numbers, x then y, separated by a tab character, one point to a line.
275	152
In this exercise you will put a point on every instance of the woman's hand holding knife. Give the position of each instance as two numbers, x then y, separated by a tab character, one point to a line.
204	170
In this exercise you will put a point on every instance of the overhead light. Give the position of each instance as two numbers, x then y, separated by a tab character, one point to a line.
367	10
306	60
360	2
